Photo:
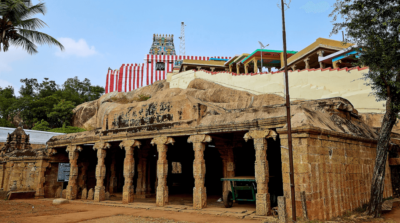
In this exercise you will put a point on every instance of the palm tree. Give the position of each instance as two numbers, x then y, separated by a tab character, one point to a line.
18	28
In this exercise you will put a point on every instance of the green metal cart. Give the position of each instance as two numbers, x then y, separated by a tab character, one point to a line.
232	196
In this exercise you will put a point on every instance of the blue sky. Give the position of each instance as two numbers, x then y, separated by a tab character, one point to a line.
99	34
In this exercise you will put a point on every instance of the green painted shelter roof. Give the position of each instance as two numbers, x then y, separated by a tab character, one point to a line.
267	51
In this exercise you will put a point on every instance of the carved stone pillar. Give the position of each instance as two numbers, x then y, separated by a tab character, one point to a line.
129	169
199	170
162	168
307	62
263	205
72	188
99	189
41	165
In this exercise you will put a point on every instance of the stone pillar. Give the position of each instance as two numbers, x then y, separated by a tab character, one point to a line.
9	169
41	165
246	68
228	166
198	67
113	178
199	170
129	169
148	185
212	69
139	184
336	64
184	68
2	174
162	169
72	188
237	68
255	65
263	205
307	62
145	153
99	190
230	67
293	67
321	54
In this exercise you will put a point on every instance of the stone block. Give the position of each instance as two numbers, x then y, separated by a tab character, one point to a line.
60	201
64	193
107	195
90	194
262	204
84	194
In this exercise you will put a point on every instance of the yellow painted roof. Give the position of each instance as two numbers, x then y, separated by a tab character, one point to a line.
319	43
204	62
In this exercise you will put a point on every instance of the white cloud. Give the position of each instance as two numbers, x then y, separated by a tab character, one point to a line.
12	55
312	7
4	83
75	48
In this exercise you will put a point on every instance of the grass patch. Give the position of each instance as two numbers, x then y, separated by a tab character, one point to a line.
142	97
121	100
67	129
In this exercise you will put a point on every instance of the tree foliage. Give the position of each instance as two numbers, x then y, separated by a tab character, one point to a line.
19	28
374	26
45	105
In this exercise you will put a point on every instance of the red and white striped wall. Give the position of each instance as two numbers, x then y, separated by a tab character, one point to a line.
132	76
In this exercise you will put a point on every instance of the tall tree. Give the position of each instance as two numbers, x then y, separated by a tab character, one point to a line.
17	27
374	26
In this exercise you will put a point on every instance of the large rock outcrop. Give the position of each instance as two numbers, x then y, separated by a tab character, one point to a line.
206	105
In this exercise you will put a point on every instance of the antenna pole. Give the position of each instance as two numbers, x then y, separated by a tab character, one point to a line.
182	50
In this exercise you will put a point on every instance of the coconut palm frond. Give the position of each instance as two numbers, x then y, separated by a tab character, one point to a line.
25	43
39	37
32	24
39	8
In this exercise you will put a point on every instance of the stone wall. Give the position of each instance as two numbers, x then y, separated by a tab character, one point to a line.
25	174
51	185
334	170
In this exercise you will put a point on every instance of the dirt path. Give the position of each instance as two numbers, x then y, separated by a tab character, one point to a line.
16	211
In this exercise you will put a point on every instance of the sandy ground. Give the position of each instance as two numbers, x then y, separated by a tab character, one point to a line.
44	211
16	211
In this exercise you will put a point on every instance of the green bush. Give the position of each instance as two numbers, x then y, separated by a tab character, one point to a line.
41	126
